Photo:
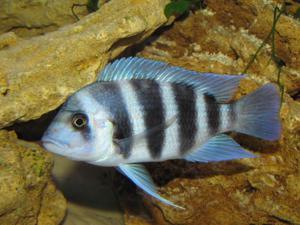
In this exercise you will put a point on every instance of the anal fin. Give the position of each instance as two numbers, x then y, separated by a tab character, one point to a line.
219	148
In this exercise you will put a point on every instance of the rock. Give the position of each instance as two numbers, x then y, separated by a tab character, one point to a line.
257	16
8	39
26	184
53	206
38	74
265	190
29	18
136	220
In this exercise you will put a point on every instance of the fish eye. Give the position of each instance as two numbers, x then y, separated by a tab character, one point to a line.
79	120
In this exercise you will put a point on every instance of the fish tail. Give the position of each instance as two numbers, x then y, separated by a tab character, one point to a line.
258	113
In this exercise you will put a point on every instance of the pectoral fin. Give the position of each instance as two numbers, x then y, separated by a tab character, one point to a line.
219	148
141	177
125	142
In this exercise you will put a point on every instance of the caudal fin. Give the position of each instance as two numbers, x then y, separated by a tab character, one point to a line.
258	113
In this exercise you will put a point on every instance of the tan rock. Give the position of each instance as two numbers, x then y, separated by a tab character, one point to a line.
53	206
38	15
42	71
8	39
136	220
257	16
26	184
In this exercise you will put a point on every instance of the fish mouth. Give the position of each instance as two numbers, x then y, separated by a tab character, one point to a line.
59	148
54	146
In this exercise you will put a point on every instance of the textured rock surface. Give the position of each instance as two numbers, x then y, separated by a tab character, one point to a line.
265	190
26	191
36	17
222	39
44	70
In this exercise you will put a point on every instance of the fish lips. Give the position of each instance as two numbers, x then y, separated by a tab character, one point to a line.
63	150
53	146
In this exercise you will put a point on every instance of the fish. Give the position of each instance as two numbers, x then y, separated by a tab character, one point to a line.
141	110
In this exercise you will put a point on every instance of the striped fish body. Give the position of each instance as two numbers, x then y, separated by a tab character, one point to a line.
140	106
141	110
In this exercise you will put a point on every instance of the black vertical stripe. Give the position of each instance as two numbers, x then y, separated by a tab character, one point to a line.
123	125
149	97
212	113
109	95
185	98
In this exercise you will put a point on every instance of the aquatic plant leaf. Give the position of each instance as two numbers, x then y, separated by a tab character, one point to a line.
297	13
92	6
177	7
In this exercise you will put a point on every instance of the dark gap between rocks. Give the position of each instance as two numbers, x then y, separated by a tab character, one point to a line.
139	47
33	130
296	96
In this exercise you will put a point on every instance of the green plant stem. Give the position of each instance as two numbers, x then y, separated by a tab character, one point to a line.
278	62
270	34
72	9
280	85
92	6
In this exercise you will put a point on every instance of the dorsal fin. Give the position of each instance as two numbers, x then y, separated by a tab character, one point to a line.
221	87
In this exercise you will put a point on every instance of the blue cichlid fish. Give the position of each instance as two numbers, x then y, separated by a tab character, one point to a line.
140	110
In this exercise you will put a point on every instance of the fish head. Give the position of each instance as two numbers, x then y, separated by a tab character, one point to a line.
80	131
